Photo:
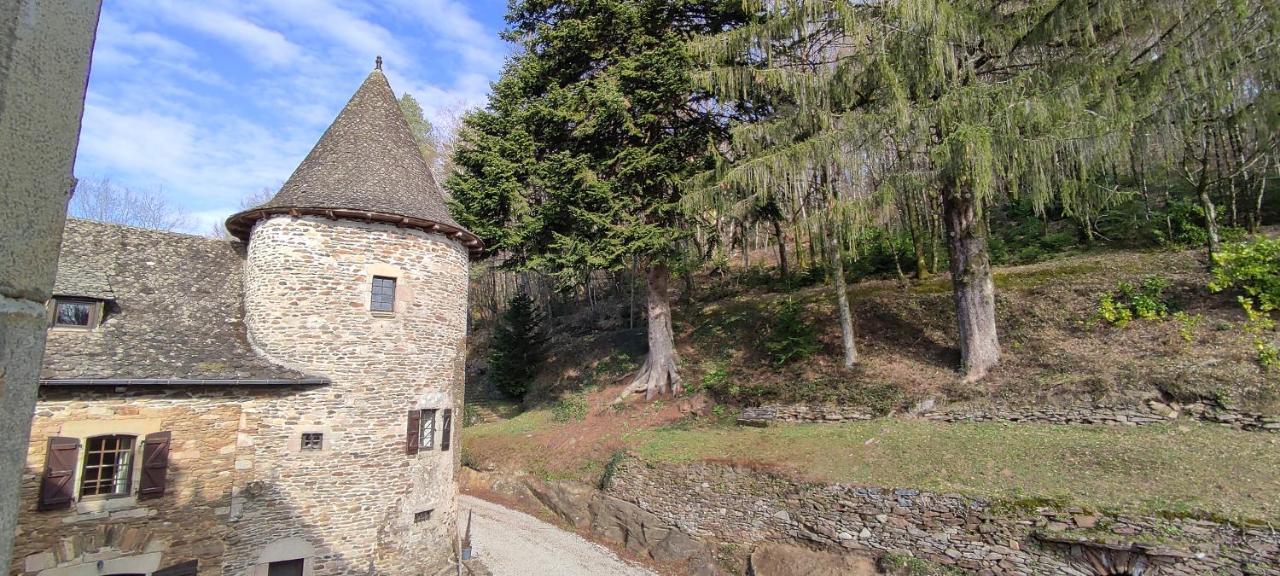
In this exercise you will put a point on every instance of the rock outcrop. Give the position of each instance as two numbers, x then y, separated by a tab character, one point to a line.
773	559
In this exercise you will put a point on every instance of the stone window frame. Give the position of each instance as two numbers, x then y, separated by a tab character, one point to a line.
285	550
95	313
82	430
403	296
293	442
380	296
132	453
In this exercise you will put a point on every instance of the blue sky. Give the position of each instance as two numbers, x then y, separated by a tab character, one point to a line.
212	100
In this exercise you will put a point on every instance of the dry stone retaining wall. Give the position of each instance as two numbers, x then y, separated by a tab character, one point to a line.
1151	412
721	503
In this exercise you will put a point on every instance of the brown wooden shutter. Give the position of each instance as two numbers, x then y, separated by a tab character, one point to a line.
188	568
60	461
155	465
415	427
446	429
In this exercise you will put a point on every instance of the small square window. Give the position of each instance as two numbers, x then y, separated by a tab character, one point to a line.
75	313
422	516
312	441
383	298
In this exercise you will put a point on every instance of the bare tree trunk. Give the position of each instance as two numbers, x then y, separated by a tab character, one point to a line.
1210	213
782	248
659	374
935	234
917	232
848	345
1255	221
631	306
972	284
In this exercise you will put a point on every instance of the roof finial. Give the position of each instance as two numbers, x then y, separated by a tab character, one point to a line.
377	63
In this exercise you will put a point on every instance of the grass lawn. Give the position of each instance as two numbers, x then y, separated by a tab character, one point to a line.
1183	468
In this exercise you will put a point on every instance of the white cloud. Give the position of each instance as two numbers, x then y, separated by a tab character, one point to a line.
260	46
353	33
180	111
455	30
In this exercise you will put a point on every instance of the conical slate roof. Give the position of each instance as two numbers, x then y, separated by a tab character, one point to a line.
366	166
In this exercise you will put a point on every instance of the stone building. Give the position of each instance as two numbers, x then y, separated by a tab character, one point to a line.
280	404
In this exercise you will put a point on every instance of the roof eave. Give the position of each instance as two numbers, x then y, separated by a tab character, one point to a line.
102	382
241	224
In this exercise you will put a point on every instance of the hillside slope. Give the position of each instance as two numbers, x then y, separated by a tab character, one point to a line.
1055	348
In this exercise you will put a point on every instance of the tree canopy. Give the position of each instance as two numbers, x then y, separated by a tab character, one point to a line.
577	163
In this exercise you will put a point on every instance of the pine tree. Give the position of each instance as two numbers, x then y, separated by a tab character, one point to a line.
423	132
518	348
576	163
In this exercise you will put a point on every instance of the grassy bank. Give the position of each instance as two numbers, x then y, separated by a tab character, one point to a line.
1180	468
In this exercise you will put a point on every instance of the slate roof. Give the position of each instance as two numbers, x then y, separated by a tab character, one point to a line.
174	310
367	165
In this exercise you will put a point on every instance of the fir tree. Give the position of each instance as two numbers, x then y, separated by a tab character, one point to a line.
518	347
576	163
975	101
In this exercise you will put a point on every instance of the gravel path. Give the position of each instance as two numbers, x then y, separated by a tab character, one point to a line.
512	543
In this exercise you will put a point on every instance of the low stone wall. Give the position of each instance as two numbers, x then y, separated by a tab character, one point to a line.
675	515
727	504
1150	412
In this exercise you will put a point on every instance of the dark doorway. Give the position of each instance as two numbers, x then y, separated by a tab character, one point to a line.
285	568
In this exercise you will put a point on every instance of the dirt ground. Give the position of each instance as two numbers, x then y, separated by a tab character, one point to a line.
1054	348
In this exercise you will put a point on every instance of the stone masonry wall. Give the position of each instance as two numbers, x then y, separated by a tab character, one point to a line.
189	522
307	285
726	504
1150	412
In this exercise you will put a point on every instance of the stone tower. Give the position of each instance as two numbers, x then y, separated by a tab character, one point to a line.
356	272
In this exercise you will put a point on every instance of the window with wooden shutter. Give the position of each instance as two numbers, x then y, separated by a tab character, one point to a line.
60	460
415	424
155	465
108	466
446	429
427	437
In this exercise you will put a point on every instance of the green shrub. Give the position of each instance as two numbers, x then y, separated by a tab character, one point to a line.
470	416
895	564
570	408
714	378
518	349
1186	219
467	458
1145	301
811	276
1252	268
1260	325
611	468
790	336
1187	324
